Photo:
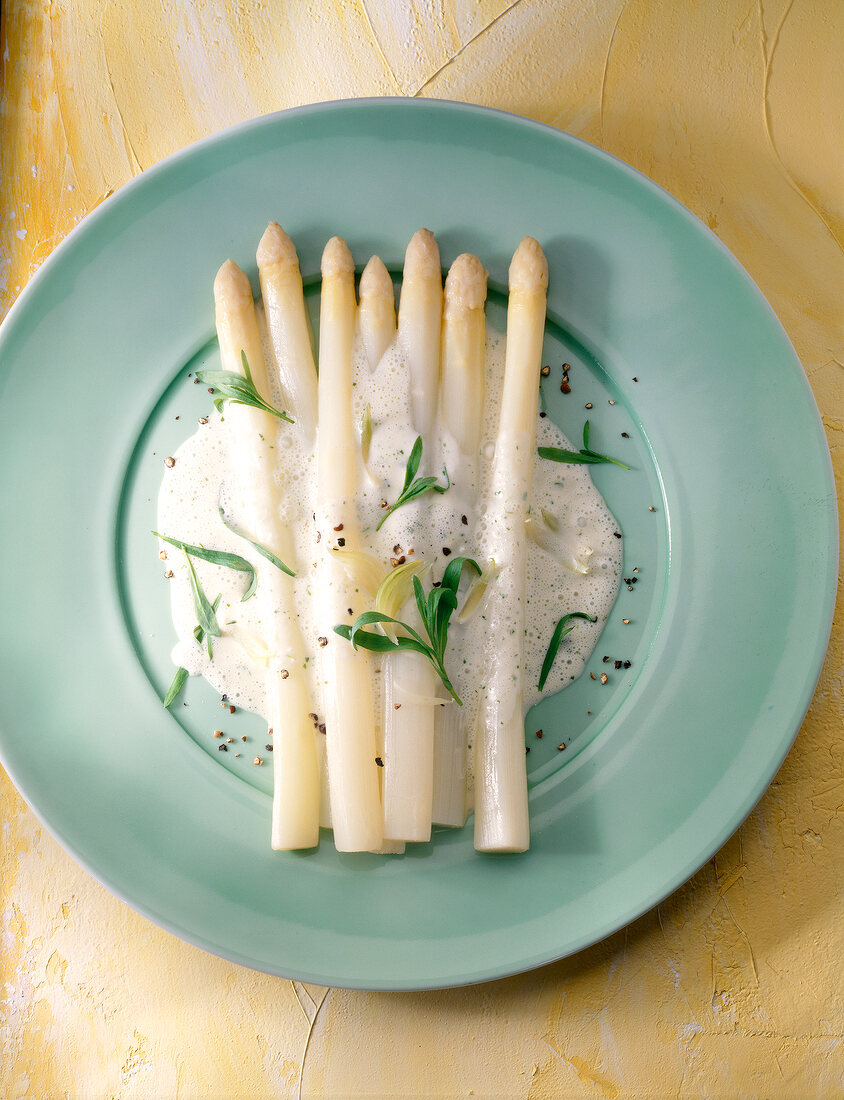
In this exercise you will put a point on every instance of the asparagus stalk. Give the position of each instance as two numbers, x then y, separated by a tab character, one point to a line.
346	677
287	324
377	311
450	760
408	677
408	745
420	318
463	353
501	804
295	816
461	404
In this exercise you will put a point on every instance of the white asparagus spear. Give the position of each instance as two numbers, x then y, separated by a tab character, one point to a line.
388	846
449	800
501	803
237	325
349	711
295	817
377	311
464	352
420	319
408	723
461	406
287	324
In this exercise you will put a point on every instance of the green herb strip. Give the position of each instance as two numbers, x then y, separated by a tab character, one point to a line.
556	638
218	557
257	547
239	389
435	611
415	488
585	456
180	679
204	611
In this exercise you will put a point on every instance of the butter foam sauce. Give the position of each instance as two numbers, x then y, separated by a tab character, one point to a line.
569	515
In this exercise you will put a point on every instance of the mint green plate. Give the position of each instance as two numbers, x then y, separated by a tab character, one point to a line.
729	617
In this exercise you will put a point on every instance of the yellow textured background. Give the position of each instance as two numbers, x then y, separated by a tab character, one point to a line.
733	986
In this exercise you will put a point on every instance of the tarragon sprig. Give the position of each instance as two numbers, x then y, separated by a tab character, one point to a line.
205	611
415	488
584	456
556	638
180	679
219	557
239	389
435	611
264	551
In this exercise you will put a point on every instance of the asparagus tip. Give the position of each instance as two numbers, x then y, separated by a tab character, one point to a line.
375	279
275	247
337	259
465	284
529	267
422	257
231	286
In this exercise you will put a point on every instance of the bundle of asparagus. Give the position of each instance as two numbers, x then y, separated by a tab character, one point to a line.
395	746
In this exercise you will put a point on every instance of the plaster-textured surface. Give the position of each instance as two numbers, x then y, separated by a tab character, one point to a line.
733	986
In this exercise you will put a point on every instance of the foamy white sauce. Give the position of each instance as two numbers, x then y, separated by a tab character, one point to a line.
203	476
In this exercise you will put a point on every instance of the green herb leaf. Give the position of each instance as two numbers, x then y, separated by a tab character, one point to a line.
411	488
556	638
575	458
365	433
218	557
413	461
204	611
583	457
368	618
380	643
435	612
454	571
179	681
239	389
257	547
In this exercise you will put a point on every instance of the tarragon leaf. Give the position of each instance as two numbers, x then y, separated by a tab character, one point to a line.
380	643
204	611
179	681
556	639
264	551
583	457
